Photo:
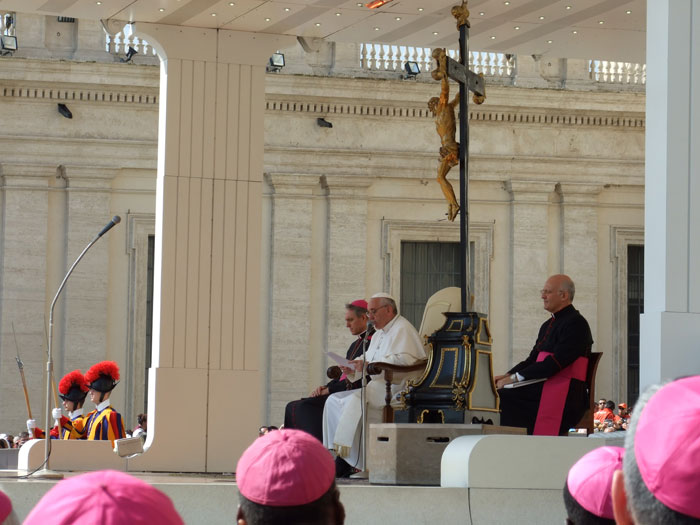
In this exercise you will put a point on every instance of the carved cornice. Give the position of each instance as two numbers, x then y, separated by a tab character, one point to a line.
552	117
113	96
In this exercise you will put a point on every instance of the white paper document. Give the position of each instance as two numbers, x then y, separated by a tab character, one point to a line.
525	383
338	359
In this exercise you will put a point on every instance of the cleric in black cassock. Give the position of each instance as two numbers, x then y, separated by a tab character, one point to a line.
561	355
307	413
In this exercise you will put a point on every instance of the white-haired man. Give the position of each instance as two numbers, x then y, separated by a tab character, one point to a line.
396	341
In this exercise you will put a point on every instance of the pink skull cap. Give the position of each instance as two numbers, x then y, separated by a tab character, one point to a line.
590	480
5	506
106	497
360	303
667	445
285	468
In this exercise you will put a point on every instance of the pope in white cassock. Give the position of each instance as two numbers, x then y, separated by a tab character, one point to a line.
396	341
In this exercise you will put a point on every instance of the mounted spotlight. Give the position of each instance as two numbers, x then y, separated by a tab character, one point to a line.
322	122
376	3
129	55
412	70
63	110
9	44
276	63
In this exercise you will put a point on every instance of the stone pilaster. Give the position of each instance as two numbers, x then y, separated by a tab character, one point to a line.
291	261
23	290
347	241
579	241
530	238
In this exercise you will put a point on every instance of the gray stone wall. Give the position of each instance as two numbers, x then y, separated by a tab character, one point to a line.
556	168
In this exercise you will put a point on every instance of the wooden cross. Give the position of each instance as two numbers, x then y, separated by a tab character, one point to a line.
468	81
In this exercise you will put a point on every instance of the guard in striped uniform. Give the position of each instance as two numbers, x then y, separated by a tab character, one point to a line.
104	422
73	390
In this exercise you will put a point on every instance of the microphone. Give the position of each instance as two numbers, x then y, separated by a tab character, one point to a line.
49	363
370	324
111	224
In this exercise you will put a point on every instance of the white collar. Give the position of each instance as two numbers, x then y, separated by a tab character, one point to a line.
388	326
75	413
103	405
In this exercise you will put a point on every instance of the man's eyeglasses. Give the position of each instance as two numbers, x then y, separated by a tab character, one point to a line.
373	311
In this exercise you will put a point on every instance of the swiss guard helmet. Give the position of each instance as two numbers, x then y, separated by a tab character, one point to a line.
103	376
73	387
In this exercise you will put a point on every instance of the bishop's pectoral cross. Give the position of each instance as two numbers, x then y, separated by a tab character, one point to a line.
451	152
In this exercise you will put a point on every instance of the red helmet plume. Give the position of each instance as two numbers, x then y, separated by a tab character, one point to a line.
103	376
74	378
73	386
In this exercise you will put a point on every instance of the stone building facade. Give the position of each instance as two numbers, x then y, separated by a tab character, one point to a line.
557	185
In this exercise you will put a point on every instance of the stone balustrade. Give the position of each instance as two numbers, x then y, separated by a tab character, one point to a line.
372	60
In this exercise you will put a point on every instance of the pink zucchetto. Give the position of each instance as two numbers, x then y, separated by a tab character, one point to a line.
106	497
285	468
590	480
360	303
5	506
667	445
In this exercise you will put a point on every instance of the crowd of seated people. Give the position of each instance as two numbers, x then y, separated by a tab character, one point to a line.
606	420
644	484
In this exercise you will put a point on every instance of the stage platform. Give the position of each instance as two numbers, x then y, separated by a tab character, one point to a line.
213	499
485	479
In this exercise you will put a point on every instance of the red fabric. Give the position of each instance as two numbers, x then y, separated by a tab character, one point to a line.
107	368
554	392
604	415
71	379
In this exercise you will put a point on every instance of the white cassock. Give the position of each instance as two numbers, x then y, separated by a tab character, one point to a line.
397	343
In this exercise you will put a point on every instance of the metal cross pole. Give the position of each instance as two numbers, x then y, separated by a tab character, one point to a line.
468	81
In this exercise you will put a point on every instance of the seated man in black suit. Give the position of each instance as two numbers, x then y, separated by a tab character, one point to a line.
307	413
560	359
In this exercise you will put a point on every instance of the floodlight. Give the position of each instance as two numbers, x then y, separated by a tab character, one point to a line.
412	69
129	54
63	110
276	62
9	43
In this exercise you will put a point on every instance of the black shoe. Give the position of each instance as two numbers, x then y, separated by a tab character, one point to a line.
342	468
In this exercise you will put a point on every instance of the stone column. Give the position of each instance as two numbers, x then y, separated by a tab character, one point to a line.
23	290
670	325
205	373
579	246
291	262
530	234
347	241
85	298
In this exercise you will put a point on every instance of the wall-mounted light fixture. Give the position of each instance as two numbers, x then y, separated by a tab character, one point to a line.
412	70
129	54
276	63
63	110
9	44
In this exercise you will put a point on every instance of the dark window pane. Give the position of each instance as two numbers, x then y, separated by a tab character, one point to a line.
149	310
426	267
635	307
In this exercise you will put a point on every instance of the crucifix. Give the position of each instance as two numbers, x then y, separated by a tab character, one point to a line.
451	152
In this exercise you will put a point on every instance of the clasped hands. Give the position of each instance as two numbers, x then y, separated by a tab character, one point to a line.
503	380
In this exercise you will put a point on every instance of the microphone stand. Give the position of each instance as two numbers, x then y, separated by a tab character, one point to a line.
364	473
45	472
